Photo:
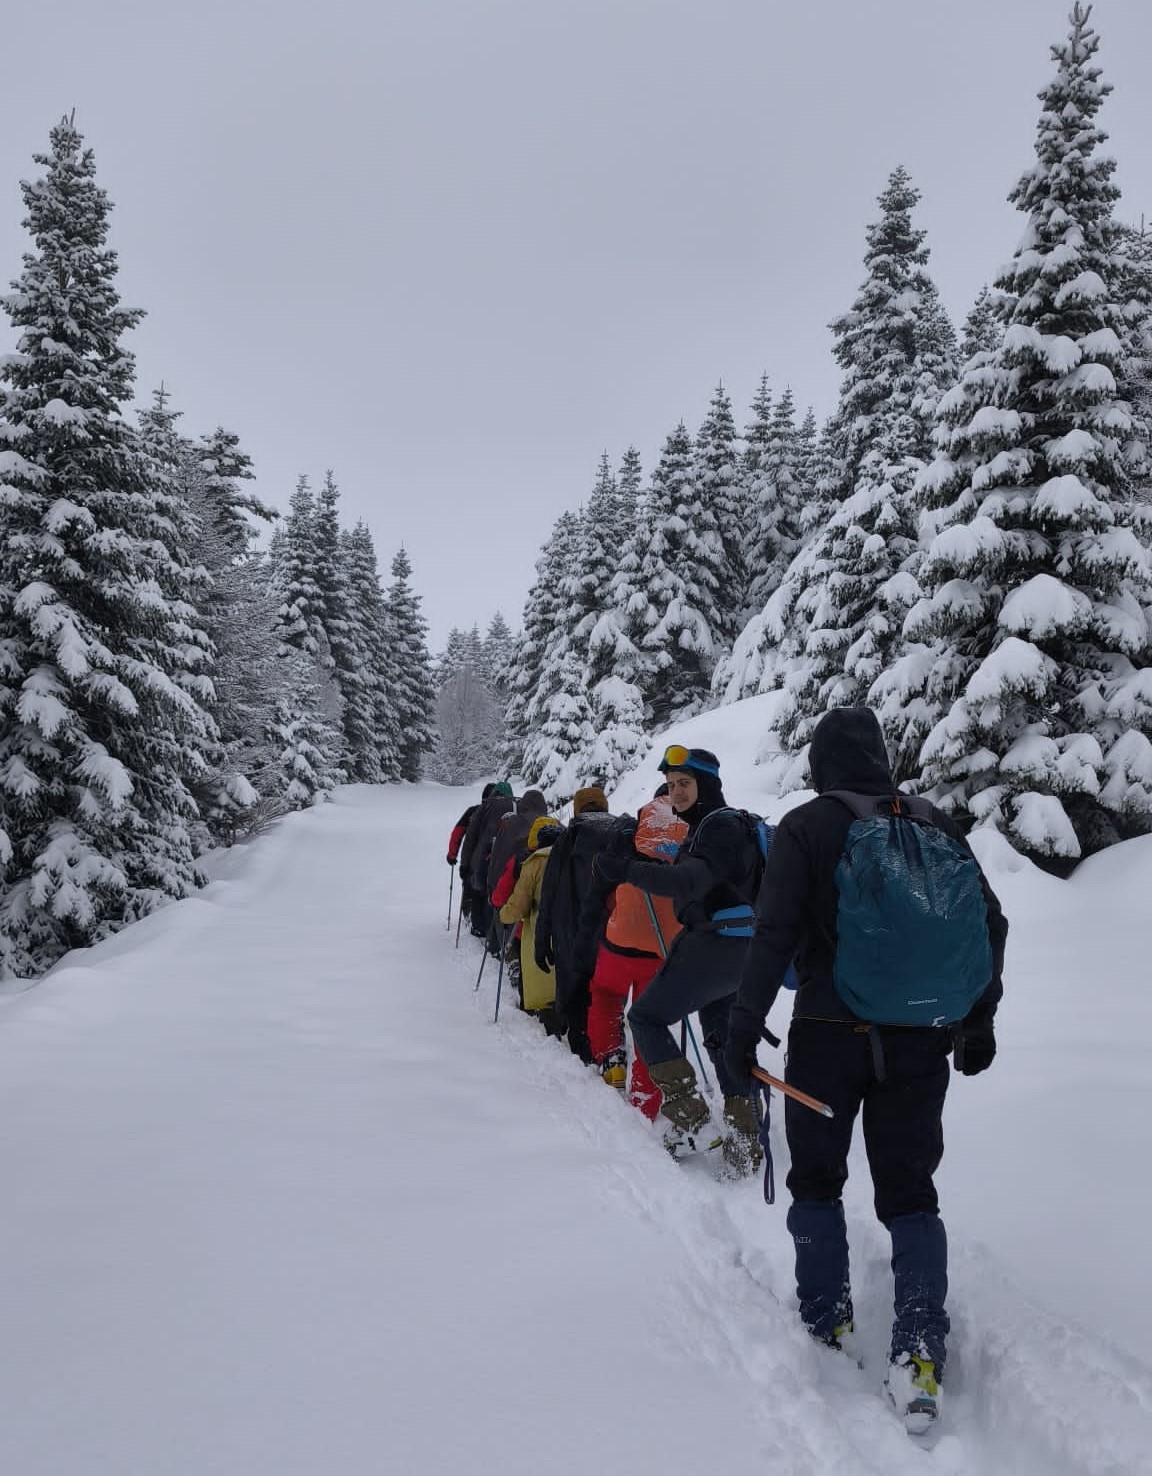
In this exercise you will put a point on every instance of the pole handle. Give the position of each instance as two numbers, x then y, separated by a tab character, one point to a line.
790	1091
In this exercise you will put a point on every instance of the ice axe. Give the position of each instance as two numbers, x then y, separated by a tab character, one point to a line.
782	1086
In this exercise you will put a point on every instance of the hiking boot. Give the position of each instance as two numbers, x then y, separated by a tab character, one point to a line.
741	1144
914	1391
614	1069
683	1107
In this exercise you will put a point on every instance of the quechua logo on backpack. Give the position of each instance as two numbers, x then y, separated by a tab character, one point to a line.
912	925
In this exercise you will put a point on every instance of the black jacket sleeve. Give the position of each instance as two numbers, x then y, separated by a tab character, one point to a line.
698	871
557	864
782	919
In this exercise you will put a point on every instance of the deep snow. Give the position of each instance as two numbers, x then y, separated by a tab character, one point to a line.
280	1199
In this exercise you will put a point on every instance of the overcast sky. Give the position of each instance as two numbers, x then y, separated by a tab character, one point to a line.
454	249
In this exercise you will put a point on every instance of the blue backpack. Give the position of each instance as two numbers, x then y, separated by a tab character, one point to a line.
912	924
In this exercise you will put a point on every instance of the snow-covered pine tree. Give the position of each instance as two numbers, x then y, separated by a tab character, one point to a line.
557	752
499	655
102	685
629	480
831	626
542	610
301	616
778	499
224	795
721	503
1037	694
666	591
469	709
309	720
370	621
453	659
346	641
587	629
413	693
983	328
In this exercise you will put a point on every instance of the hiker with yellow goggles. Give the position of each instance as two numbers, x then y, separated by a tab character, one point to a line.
716	873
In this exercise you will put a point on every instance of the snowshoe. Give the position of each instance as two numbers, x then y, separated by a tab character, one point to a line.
914	1391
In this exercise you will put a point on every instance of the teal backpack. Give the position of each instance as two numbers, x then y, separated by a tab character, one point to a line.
912	944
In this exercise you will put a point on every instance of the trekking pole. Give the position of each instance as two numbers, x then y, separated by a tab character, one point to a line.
451	887
500	975
460	915
686	1031
480	975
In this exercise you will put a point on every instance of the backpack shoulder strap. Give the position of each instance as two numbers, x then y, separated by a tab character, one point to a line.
862	806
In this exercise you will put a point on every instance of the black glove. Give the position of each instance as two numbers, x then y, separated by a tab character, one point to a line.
544	956
612	869
975	1045
451	860
740	1051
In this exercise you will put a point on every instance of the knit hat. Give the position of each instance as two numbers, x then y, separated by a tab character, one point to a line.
486	792
592	798
504	789
538	831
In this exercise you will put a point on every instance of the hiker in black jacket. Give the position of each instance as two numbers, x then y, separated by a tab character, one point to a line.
476	852
566	879
455	841
898	1074
717	871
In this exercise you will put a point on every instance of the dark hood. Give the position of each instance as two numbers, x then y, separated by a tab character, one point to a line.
532	803
848	752
710	796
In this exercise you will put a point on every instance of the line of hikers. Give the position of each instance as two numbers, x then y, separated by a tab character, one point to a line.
867	901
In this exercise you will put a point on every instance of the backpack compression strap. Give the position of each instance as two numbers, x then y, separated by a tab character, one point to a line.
867	806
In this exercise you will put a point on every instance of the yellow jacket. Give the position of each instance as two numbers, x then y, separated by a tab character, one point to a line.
524	905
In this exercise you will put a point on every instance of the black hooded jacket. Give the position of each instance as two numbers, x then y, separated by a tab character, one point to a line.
566	880
512	836
477	847
798	903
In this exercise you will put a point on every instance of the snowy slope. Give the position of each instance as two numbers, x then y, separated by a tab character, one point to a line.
280	1199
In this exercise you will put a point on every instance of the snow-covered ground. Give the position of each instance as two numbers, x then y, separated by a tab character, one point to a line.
279	1198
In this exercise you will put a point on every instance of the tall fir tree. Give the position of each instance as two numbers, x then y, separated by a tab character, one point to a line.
835	619
629	480
542	611
983	328
302	599
346	640
413	693
370	620
666	592
721	504
1031	678
778	499
499	655
103	690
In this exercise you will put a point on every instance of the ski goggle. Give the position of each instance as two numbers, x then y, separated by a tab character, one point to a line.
676	756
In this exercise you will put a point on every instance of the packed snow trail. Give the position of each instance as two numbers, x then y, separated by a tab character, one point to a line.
278	1198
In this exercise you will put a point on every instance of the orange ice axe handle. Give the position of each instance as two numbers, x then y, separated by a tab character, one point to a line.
790	1091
